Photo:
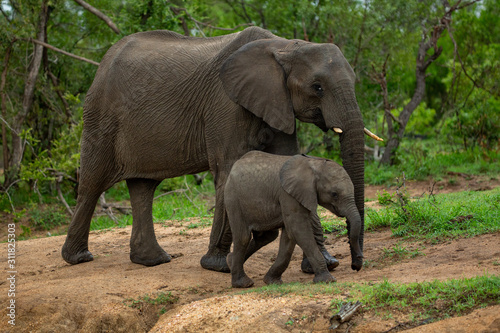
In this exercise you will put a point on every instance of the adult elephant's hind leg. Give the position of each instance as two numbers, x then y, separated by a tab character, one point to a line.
144	248
220	235
331	261
76	247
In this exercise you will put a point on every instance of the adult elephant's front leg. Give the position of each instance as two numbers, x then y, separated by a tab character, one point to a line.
331	261
144	248
220	236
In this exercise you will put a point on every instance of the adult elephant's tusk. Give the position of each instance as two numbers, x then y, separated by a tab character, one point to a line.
373	136
337	130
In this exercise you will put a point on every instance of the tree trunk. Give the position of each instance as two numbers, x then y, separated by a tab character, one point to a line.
3	95
29	93
396	133
423	61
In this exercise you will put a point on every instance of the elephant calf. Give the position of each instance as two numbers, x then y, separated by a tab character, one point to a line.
266	192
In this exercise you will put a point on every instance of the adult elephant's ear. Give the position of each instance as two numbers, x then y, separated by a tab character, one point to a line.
253	78
298	179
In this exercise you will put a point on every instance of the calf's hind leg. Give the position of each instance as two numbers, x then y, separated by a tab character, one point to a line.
282	261
259	240
144	248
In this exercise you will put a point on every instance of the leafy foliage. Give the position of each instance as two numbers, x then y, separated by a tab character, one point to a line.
460	116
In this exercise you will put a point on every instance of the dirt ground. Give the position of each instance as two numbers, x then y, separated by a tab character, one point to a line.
53	296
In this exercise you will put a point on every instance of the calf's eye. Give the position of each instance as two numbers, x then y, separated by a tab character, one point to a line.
335	195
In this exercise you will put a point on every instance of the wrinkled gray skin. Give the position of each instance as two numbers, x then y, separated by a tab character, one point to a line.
265	192
164	105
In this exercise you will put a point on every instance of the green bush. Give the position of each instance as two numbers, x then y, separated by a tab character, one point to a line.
47	218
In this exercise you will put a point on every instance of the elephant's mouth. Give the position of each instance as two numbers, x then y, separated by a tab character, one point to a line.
314	116
319	120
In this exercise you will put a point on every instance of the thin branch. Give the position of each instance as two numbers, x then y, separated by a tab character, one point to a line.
107	209
53	48
466	5
5	14
60	195
170	192
230	4
261	14
242	2
381	79
99	14
187	196
360	37
456	54
55	83
306	38
6	191
185	27
179	9
4	121
58	174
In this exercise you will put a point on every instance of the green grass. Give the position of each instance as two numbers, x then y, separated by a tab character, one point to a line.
421	159
296	288
425	300
399	252
461	214
436	299
191	201
104	222
159	300
443	216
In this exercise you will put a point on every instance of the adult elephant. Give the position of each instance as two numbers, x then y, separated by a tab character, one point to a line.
164	105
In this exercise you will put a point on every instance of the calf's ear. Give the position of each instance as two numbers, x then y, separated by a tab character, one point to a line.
298	179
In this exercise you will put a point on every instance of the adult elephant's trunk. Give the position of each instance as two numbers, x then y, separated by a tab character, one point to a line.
355	232
352	142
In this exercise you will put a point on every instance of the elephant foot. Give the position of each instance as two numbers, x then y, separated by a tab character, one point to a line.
272	279
215	262
331	263
324	277
357	264
152	258
242	282
78	257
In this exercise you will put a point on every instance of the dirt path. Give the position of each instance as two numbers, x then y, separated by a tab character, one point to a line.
52	296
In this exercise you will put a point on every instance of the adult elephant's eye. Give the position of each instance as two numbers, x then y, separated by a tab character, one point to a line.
335	195
317	87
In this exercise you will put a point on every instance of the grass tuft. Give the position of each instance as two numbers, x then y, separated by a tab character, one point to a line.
425	300
161	301
463	214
